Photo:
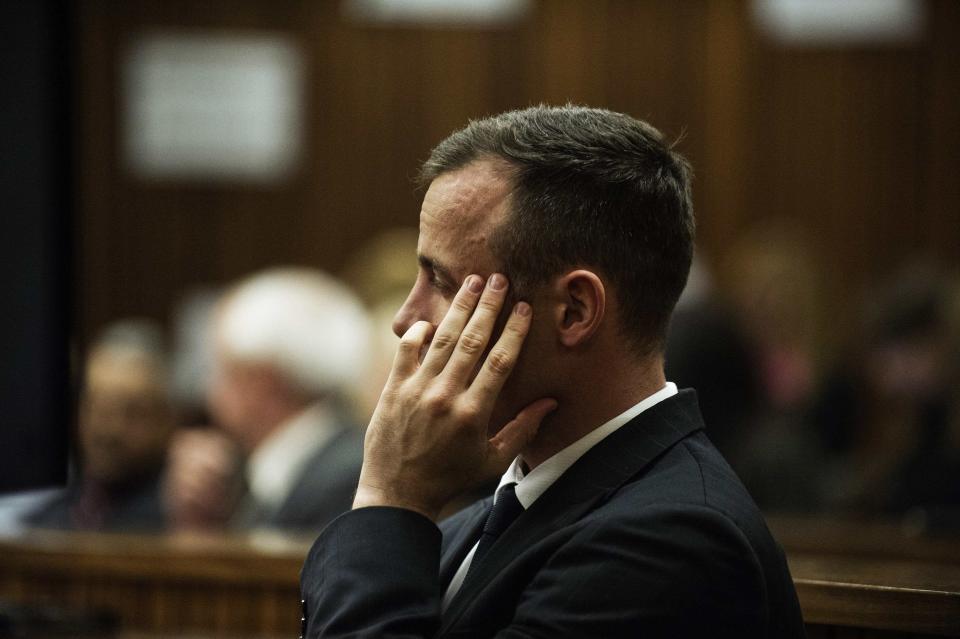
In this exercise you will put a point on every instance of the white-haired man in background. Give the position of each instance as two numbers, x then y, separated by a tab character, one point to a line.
288	343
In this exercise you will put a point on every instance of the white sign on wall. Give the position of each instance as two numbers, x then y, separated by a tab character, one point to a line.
221	106
840	22
437	12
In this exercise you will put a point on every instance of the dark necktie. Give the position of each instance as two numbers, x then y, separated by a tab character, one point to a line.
504	510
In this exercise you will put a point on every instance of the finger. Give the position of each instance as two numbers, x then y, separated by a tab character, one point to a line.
448	333
503	356
518	433
476	334
407	359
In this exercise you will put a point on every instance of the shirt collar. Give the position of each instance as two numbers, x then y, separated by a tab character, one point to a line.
533	484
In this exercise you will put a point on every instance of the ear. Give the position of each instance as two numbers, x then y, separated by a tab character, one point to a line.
583	302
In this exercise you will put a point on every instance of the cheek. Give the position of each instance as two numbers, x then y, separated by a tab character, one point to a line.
440	307
225	402
432	304
424	303
88	442
531	376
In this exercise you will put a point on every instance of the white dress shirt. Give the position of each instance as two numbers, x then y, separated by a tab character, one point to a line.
273	468
533	484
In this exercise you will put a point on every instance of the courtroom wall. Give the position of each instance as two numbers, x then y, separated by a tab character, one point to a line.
858	145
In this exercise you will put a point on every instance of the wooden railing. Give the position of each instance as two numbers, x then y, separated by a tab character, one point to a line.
171	584
853	579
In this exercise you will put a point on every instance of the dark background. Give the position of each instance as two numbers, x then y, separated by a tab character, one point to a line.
37	196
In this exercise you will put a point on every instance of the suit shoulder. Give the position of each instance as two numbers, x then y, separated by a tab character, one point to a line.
691	478
690	505
677	568
692	472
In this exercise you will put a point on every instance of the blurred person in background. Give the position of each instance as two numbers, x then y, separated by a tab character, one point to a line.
776	293
897	406
707	350
124	428
287	343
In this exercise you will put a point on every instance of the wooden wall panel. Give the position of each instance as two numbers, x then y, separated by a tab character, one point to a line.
843	164
939	149
859	145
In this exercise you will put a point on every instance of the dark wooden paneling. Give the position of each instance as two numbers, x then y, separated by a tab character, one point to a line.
859	145
939	147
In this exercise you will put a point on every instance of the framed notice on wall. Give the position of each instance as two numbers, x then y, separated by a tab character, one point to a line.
212	106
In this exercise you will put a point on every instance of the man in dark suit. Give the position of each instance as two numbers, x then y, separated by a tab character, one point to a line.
616	516
125	422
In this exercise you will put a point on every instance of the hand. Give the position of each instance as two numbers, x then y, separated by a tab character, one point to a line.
202	483
427	440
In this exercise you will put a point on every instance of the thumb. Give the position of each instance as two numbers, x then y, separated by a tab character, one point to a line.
520	431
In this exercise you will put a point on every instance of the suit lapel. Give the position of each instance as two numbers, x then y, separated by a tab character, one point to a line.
593	478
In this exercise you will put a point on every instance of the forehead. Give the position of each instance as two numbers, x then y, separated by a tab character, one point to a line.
121	372
460	211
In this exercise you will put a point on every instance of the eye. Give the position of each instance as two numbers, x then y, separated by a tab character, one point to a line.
441	285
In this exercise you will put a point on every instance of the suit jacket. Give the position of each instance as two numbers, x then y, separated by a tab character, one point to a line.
324	489
649	534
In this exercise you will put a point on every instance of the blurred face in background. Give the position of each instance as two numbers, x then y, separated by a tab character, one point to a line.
246	399
125	417
261	346
238	398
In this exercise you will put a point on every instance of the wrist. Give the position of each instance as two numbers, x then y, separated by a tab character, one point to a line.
368	496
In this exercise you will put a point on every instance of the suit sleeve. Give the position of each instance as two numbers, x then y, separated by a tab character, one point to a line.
373	572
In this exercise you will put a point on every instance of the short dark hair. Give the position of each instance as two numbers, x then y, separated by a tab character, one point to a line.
592	188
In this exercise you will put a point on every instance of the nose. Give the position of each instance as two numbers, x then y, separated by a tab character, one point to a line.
423	303
407	315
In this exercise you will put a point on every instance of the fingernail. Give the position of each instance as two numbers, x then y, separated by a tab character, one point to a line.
475	284
498	282
522	309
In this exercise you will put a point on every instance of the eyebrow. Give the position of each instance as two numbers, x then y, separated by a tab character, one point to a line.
437	268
